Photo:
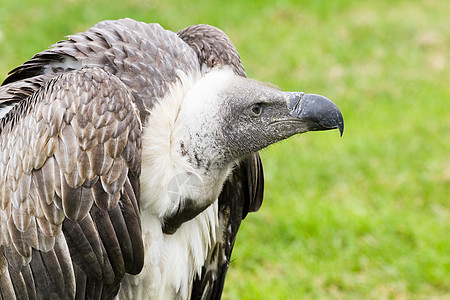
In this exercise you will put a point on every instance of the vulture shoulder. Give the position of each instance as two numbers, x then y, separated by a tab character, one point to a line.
69	213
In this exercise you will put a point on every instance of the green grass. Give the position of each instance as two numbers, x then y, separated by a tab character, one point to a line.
365	216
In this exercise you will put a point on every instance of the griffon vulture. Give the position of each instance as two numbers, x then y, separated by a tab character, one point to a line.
129	157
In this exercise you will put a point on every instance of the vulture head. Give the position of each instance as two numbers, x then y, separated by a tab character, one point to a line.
225	117
229	116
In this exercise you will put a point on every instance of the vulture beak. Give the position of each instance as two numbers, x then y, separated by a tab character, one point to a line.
318	112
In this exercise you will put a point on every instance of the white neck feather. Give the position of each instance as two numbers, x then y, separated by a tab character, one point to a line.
179	119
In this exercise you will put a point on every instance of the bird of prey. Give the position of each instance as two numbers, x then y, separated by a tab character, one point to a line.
129	156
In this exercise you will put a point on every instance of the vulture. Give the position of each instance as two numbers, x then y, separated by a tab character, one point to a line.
129	157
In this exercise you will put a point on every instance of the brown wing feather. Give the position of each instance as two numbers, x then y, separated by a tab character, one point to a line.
143	56
52	143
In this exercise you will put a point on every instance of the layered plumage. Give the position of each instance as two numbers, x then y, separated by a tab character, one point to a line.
128	160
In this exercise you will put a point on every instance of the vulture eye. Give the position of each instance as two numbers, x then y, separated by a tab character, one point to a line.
257	109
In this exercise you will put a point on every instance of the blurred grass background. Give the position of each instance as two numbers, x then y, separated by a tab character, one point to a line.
366	216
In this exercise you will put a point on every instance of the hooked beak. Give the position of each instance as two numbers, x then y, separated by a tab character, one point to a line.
316	111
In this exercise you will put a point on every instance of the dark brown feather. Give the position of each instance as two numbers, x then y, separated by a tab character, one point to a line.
109	239
18	282
120	228
53	269
29	282
6	286
85	253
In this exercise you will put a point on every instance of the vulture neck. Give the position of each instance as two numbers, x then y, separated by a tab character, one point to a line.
169	177
189	163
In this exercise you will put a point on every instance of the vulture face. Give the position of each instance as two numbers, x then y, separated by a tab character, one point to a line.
239	116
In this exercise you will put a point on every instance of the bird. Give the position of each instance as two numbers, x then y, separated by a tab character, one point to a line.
129	157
